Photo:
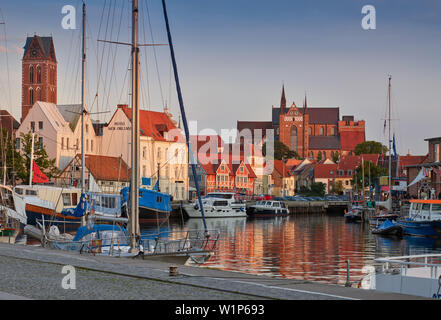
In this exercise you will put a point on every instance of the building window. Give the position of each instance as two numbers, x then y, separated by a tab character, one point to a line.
39	94
436	152
38	74
17	143
32	126
31	74
40	140
144	151
87	145
67	143
332	131
31	96
91	145
62	143
321	131
310	131
78	145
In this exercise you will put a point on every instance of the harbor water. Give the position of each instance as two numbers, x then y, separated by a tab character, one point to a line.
313	247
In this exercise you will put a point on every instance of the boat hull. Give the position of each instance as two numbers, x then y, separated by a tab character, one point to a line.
352	218
266	213
214	213
148	216
64	222
430	229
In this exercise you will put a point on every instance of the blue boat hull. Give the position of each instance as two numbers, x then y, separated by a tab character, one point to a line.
421	228
63	223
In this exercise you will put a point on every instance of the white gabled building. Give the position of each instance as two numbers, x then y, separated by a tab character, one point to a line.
58	128
162	148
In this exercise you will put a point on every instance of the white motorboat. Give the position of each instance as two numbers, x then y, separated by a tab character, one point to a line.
217	205
268	208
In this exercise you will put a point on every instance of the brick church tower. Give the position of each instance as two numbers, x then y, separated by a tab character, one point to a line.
39	73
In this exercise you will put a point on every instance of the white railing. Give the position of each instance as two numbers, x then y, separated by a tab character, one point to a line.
406	262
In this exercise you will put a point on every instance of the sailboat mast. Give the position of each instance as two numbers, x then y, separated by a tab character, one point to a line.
390	148
134	179
83	109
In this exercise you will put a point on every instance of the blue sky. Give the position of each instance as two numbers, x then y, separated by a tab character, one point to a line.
234	56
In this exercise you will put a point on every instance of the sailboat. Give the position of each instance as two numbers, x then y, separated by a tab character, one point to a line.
383	223
115	240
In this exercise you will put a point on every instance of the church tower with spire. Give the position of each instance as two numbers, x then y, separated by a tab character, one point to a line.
39	73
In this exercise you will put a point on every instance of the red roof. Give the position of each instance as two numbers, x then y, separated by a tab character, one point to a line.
107	168
409	160
282	168
153	124
352	162
325	171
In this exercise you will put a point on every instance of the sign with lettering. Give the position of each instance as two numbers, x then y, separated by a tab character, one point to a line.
120	125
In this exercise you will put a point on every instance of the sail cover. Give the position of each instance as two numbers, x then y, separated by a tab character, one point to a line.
423	174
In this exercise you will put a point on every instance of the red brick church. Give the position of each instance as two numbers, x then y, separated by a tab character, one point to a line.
39	73
313	132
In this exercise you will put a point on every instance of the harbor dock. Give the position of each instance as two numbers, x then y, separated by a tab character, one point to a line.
32	272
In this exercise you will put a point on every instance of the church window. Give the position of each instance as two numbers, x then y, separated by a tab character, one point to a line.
332	131
31	96
38	74
31	74
293	138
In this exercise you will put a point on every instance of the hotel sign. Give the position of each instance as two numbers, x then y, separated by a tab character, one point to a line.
121	125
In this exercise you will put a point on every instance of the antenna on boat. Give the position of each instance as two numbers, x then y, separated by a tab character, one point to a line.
390	149
184	118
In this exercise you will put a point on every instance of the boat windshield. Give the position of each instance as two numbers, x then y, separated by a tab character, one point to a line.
219	195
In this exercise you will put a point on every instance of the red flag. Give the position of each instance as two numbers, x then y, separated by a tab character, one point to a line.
37	175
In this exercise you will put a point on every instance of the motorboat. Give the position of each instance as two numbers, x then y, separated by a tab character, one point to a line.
424	219
46	203
354	214
269	208
217	205
388	228
154	206
12	215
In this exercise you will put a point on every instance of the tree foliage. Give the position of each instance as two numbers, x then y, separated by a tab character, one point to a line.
371	172
46	165
281	151
370	147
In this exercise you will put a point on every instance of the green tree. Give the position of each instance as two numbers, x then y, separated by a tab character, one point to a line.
46	165
337	187
318	189
370	170
281	151
369	147
336	157
10	155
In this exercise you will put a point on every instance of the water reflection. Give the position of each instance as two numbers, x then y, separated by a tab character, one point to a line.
311	247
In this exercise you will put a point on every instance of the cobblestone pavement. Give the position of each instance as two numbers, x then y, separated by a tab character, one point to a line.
40	280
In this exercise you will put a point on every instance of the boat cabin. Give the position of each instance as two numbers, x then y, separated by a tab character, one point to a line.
105	203
425	210
59	198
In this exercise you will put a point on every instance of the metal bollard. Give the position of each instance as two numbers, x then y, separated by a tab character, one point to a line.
348	269
173	271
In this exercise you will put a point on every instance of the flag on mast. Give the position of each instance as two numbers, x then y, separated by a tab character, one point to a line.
38	176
